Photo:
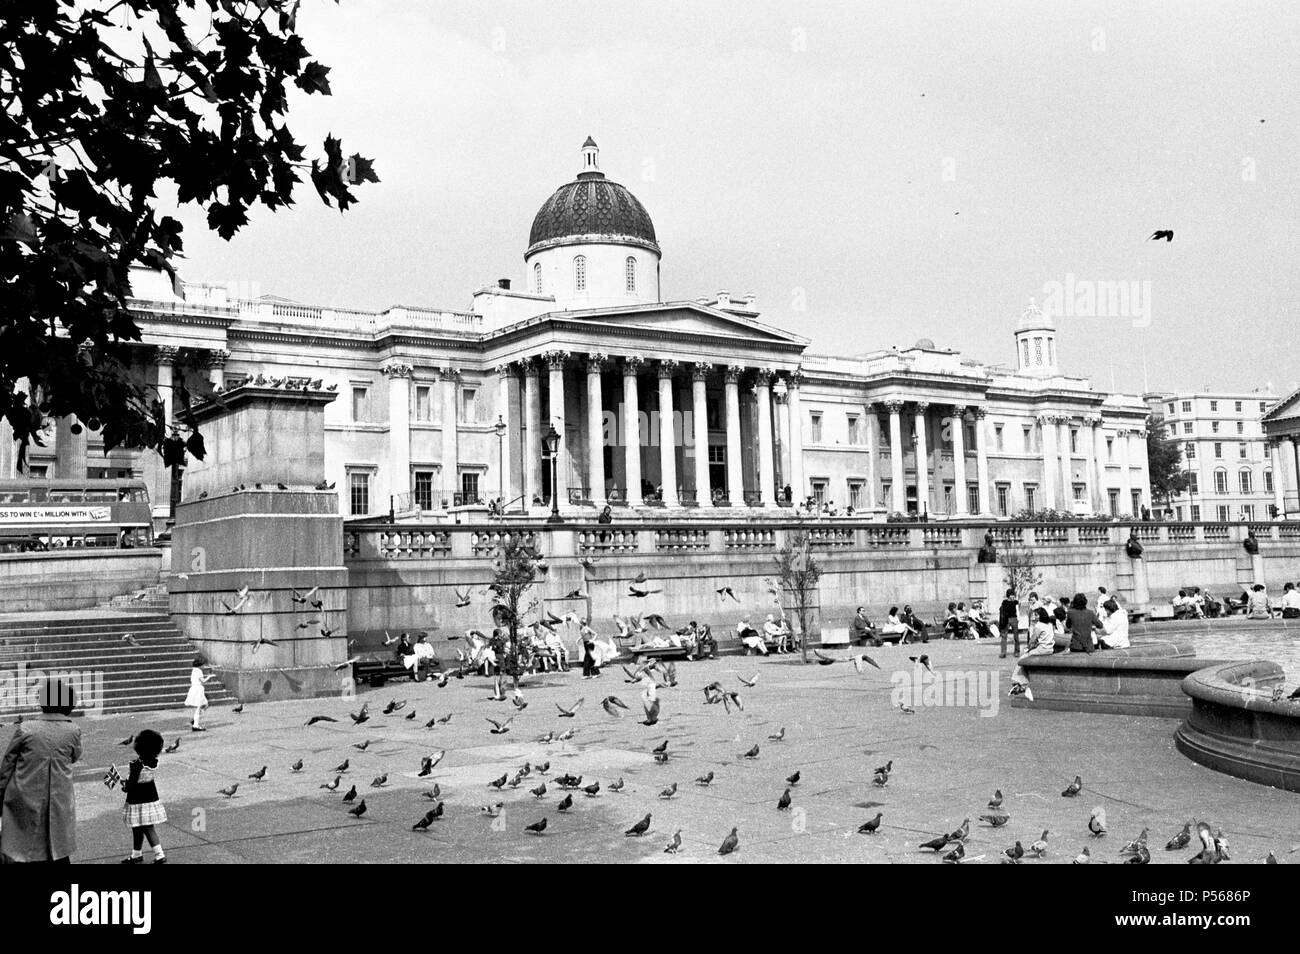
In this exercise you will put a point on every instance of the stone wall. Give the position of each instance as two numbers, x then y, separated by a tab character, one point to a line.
73	579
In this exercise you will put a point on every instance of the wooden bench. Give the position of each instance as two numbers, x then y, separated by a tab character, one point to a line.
835	636
376	672
659	652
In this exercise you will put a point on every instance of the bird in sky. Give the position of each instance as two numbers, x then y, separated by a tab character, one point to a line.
572	711
321	718
462	599
749	683
611	704
725	592
1166	234
859	658
922	660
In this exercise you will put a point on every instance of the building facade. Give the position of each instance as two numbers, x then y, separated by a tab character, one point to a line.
1230	468
692	406
1281	427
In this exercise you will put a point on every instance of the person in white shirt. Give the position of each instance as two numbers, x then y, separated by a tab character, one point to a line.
1114	626
750	637
1042	642
774	632
1290	601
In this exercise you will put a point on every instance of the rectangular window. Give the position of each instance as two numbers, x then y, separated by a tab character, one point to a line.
855	427
1187	427
1246	482
360	403
1214	427
1137	503
1074	441
1004	502
469	405
1031	497
358	493
1223	514
1196	512
1247	511
1080	490
1189	450
1220	481
1193	482
1110	448
1268	481
816	420
1218	451
1238	407
1242	451
973	498
1029	438
423	402
1214	405
1241	427
819	491
947	498
1263	406
1187	407
997	437
469	488
883	429
886	493
855	494
1112	497
424	489
1171	409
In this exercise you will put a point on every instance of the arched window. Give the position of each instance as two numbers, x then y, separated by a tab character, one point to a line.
537	277
580	273
629	273
1245	482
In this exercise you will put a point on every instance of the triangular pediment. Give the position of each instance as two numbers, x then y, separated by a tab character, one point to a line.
1286	409
684	318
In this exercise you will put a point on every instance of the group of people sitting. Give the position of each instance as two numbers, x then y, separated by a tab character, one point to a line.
1254	602
775	631
696	640
1067	625
902	626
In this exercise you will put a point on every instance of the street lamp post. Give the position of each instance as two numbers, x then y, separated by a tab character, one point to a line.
500	428
551	441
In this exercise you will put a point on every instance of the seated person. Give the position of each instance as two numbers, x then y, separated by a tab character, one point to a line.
1259	606
1238	605
861	631
1185	606
1042	642
557	650
750	637
774	632
954	624
979	621
1290	602
1081	623
914	623
706	647
404	651
421	654
894	626
1114	625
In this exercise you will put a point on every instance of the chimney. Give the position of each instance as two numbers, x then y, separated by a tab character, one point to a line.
724	299
503	284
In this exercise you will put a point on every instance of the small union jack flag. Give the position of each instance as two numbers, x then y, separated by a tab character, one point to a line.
111	778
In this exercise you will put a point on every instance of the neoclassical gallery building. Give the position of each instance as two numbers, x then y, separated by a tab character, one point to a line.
695	406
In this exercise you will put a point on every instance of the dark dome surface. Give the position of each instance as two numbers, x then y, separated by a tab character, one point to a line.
592	205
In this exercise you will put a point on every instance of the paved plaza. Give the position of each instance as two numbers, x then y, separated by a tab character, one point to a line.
839	725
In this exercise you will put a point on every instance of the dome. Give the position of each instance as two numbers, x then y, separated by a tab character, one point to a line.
924	344
592	208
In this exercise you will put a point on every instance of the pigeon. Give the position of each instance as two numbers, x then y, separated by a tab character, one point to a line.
661	748
500	728
956	855
961	832
726	591
616	786
705	780
639	829
675	845
1074	788
661	758
259	774
749	683
462	599
445	719
499	783
592	790
343	767
492	811
173	746
861	658
777	736
410	716
359	810
359	717
1180	840
906	709
517	700
996	800
784	801
566	735
351	795
1271	859
379	781
936	844
130	639
331	786
304	598
394	706
880	779
1140	856
433	794
261	641
128	740
1083	858
996	819
923	661
539	791
320	718
1097	822
751	754
424	823
822	658
669	792
794	779
611	704
1166	234
729	844
640	593
566	803
1039	847
426	767
229	792
871	825
886	768
1137	844
361	746
570	712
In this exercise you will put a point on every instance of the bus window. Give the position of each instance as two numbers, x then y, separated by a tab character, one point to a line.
36	494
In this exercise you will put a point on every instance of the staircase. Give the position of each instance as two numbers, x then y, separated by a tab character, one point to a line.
151	599
150	671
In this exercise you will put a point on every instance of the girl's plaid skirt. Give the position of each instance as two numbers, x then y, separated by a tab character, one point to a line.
144	813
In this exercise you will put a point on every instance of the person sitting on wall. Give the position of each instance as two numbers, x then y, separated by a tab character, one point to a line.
861	631
1259	606
1238	605
1042	642
1185	606
954	623
1114	626
706	647
421	655
750	638
979	621
774	632
556	649
1081	623
1290	602
894	626
1213	606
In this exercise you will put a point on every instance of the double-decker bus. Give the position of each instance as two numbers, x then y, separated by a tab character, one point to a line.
38	514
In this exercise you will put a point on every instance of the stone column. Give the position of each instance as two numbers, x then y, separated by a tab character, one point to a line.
399	431
1067	476
1125	475
781	437
922	460
595	429
448	379
1291	491
869	422
1279	494
766	458
982	459
667	434
166	357
506	446
793	382
898	492
958	424
1047	428
1138	454
532	432
215	363
735	476
555	365
700	421
1098	466
632	428
9	448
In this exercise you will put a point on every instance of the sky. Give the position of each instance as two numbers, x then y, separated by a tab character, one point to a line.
875	172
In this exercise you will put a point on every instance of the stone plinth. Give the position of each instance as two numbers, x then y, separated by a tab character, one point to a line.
1145	680
1236	727
270	540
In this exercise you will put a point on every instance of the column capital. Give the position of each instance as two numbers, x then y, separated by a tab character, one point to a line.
166	354
700	371
980	412
555	359
733	372
922	407
531	367
763	377
893	407
449	374
633	364
795	378
398	369
216	358
596	362
959	410
666	368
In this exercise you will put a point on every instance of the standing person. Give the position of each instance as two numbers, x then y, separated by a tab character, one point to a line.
38	805
143	812
196	697
590	668
1009	619
1081	623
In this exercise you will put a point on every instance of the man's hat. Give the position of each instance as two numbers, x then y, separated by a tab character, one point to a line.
57	694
